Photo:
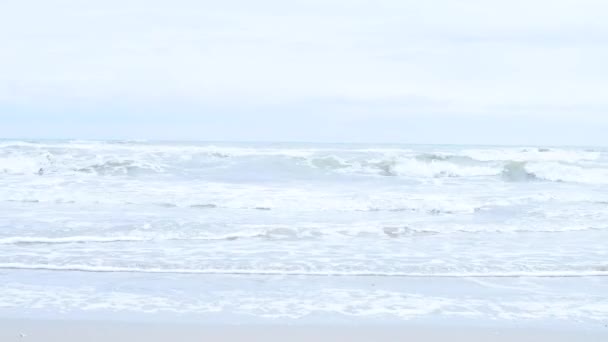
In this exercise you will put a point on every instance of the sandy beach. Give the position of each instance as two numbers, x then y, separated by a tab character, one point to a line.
98	331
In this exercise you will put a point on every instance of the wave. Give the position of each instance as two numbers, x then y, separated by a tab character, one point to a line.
553	172
248	201
418	166
109	239
280	233
120	167
273	233
454	158
451	165
533	154
50	164
600	272
516	172
107	159
68	239
204	206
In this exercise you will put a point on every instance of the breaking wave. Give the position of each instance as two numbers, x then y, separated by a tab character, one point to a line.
516	172
137	159
120	167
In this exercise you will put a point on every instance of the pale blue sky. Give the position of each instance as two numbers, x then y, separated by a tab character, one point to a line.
433	71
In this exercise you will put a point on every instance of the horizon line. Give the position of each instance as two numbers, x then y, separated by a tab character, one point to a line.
142	140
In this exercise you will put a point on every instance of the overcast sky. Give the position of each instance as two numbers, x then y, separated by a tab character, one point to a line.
432	71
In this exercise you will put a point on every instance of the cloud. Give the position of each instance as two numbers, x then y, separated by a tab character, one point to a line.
353	61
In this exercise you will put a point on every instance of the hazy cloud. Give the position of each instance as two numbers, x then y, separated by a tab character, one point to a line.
343	70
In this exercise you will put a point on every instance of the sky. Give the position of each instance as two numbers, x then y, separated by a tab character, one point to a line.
398	71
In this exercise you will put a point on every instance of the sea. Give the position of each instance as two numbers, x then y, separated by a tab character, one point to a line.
293	233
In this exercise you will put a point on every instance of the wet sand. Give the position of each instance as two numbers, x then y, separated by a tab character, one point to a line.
97	331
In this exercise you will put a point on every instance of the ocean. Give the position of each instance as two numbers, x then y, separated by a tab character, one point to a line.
288	233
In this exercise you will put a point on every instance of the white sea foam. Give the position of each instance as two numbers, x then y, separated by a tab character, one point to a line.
300	303
532	154
334	273
84	209
67	239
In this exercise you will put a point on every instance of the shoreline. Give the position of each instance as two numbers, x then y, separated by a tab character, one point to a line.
36	330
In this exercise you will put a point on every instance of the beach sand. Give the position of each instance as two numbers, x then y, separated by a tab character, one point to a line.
94	331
